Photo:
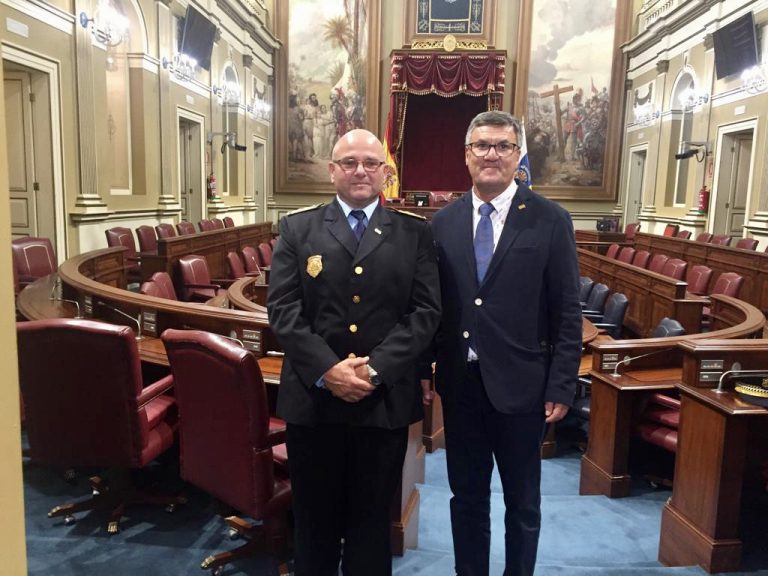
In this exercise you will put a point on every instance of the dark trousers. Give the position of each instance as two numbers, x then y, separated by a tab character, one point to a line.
343	480
475	433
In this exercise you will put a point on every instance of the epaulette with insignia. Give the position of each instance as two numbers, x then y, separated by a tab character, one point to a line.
305	209
406	213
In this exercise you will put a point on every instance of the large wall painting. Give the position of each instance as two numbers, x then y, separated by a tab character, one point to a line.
328	84
569	91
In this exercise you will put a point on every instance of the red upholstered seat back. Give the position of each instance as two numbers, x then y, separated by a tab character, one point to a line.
684	234
236	268
224	420
626	254
705	237
631	230
675	268
185	228
165	230
728	283
671	229
120	236
698	278
80	380
657	263
612	251
147	239
194	270
218	224
265	254
33	258
641	258
228	222
251	259
747	244
164	285
206	225
721	239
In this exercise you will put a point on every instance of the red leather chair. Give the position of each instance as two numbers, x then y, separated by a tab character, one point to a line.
657	263
33	258
160	286
705	237
659	421
631	230
728	283
206	225
626	254
226	448
120	236
251	259
165	230
612	251
185	228
147	239
675	268
218	224
641	258
698	278
684	234
236	268
265	254
195	279
228	222
671	230
86	405
721	240
747	244
273	243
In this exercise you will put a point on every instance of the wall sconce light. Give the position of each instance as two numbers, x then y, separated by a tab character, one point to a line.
753	80
228	94
108	26
182	66
691	149
690	99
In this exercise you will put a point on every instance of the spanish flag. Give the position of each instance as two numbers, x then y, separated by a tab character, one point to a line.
392	187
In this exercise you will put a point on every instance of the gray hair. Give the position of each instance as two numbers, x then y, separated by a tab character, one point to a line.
493	118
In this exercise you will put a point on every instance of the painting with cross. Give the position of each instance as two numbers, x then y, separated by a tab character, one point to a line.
565	97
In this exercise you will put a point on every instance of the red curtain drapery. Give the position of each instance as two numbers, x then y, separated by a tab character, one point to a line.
445	74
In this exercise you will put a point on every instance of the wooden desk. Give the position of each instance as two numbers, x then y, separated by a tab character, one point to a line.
651	296
604	468
752	265
598	241
700	521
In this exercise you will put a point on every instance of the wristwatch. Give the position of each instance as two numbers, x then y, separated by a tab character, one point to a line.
373	376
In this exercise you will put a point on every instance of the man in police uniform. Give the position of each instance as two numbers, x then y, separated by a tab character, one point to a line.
354	300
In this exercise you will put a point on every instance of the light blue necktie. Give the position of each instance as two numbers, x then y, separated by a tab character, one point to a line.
359	227
484	241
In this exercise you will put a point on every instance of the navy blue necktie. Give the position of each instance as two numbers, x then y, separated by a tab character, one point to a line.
358	228
484	241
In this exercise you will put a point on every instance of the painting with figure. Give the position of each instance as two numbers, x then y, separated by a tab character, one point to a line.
327	81
569	91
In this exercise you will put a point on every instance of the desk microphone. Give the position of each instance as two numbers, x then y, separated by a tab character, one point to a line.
736	372
54	298
233	339
628	359
138	323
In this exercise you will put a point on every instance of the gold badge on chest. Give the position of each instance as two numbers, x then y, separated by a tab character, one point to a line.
314	265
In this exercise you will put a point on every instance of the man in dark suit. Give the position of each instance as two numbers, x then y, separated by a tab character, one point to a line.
354	300
509	342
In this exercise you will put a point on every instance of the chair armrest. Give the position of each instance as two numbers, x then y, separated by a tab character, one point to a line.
592	315
665	400
253	274
224	282
154	390
604	325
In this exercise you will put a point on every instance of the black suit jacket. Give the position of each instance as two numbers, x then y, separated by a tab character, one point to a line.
525	316
393	274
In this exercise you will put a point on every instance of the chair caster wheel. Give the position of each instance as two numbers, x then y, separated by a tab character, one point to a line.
233	534
69	520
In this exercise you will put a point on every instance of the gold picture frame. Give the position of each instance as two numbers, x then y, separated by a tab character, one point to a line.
573	127
422	26
328	83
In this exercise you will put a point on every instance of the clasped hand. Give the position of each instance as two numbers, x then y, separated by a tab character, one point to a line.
349	380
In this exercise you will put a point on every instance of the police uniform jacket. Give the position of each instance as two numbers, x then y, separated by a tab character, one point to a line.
329	299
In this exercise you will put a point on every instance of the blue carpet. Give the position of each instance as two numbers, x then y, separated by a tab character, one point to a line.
581	535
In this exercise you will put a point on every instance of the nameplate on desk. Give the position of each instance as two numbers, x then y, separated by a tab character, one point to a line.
709	376
712	364
608	362
252	340
88	305
149	322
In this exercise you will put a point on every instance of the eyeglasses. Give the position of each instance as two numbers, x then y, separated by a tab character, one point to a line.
350	164
503	149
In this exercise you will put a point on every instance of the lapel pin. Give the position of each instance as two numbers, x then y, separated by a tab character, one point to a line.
377	231
521	207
